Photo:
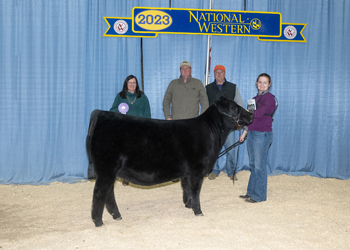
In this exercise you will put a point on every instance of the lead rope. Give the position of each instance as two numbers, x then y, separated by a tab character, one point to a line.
236	162
231	147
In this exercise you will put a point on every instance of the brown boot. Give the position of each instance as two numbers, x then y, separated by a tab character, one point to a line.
212	176
233	178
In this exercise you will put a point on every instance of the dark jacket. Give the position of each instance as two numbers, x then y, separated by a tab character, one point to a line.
228	89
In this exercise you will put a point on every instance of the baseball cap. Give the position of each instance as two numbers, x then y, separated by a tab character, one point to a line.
219	67
185	63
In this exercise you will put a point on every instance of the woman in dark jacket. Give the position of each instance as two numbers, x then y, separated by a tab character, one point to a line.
131	95
138	104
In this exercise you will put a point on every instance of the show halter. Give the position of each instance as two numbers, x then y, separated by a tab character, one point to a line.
236	119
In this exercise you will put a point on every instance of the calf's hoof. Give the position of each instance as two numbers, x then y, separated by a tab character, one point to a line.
117	217
98	223
198	212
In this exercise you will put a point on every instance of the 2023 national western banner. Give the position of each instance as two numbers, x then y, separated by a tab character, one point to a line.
148	22
206	22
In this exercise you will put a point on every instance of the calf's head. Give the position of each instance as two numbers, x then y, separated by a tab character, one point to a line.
232	109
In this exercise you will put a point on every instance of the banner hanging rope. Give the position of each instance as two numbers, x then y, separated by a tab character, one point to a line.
142	84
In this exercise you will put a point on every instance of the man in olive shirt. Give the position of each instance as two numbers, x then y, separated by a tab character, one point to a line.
215	90
184	96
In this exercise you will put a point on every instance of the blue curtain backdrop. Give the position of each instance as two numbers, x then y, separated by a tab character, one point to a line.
56	67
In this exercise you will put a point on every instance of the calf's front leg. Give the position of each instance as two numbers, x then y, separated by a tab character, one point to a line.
187	198
195	189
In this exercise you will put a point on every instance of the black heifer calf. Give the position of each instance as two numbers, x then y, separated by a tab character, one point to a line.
149	151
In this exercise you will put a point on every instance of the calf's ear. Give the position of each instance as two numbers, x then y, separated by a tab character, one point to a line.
223	98
226	96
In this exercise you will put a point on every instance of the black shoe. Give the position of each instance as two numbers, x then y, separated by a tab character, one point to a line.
250	200
244	196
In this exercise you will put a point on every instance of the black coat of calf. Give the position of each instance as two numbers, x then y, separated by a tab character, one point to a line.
149	151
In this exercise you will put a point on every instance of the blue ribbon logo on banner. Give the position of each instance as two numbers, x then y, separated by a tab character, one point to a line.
122	27
291	32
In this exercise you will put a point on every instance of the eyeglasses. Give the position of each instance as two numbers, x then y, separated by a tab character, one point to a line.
132	82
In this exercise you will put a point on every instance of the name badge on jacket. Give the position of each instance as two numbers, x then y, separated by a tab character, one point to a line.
251	105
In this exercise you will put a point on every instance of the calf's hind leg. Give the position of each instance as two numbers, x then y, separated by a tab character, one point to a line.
103	186
111	205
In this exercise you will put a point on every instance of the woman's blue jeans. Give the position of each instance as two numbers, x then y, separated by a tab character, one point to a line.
258	144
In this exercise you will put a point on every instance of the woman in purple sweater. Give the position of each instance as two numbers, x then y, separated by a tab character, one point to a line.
259	140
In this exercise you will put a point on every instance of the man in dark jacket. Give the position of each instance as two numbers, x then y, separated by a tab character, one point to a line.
215	90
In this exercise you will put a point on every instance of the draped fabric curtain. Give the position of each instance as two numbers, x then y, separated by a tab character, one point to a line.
56	67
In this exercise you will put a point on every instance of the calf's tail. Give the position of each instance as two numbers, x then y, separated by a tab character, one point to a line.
92	125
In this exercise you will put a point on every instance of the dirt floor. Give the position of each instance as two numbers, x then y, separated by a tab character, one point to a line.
301	213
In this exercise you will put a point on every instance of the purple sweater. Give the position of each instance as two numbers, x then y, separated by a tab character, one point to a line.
263	123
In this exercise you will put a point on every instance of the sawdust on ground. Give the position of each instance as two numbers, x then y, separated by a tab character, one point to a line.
301	212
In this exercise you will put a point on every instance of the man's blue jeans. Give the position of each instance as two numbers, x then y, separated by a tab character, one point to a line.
258	144
230	158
